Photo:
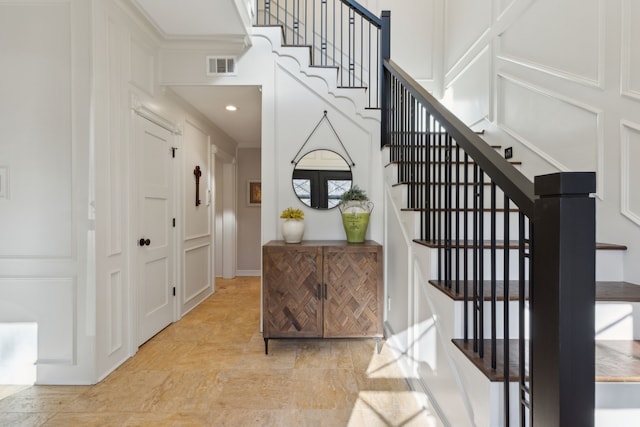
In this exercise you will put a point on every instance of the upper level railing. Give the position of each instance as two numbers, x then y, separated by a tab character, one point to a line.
500	238
340	33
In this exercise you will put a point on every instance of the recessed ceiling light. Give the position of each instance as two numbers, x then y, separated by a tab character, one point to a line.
231	108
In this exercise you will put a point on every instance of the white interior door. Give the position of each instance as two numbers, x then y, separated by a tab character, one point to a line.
155	241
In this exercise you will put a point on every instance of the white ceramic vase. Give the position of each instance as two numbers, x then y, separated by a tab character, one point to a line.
292	230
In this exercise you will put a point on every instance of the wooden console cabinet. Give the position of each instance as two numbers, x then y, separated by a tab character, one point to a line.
330	289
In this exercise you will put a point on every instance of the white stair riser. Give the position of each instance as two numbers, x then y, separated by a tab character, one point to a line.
613	321
439	199
458	230
406	172
399	195
487	262
608	264
617	321
513	320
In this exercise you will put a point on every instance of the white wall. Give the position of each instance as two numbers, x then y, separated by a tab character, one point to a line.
46	220
416	36
249	245
197	250
555	80
73	72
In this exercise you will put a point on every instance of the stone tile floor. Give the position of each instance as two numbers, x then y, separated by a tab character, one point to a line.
209	369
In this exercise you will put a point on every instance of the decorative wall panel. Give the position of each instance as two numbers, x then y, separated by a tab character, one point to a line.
115	312
197	271
142	66
35	83
630	68
630	179
504	5
53	310
530	114
115	135
4	182
465	22
196	153
541	39
469	94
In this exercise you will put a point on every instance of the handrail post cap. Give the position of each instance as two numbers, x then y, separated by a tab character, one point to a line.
565	183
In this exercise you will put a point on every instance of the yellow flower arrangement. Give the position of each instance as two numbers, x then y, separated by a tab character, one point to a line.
291	213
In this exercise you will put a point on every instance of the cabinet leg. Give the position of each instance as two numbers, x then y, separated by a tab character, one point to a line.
379	345
266	346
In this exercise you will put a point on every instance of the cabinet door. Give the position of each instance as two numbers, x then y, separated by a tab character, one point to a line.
292	276
353	297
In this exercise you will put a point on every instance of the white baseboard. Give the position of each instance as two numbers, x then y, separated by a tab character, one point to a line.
249	273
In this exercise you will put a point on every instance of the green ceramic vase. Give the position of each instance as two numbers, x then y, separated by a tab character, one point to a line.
355	219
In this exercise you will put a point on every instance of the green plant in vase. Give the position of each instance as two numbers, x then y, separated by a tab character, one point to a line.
355	209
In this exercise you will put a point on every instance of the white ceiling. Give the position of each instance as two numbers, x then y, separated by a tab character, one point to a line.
219	20
201	18
243	125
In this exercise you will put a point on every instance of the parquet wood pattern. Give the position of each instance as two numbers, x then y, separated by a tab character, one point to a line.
209	369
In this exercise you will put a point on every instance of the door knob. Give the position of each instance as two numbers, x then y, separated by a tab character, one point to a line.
144	242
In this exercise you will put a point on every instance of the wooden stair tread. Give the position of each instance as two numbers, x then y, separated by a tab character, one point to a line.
606	291
427	132
484	363
454	210
500	244
610	247
616	360
450	184
308	46
456	163
513	286
394	146
335	67
617	292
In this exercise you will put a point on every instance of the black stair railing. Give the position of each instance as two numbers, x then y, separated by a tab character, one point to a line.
340	33
461	186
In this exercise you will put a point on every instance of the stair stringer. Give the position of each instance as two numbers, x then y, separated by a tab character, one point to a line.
323	80
419	336
446	369
459	393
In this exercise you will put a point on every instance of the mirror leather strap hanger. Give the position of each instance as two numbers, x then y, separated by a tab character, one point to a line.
324	117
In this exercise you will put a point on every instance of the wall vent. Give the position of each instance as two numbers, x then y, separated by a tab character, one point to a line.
217	65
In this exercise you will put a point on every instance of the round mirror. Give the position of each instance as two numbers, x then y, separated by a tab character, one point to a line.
320	177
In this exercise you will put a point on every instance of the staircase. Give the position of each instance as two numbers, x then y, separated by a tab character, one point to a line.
460	243
617	347
462	307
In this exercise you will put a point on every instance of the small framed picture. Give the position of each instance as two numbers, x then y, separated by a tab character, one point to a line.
254	193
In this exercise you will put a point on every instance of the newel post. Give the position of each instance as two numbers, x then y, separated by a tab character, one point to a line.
385	53
563	301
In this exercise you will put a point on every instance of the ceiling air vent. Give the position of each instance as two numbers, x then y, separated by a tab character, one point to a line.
217	65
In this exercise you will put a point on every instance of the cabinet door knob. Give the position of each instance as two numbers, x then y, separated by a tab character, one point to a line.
319	291
325	291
